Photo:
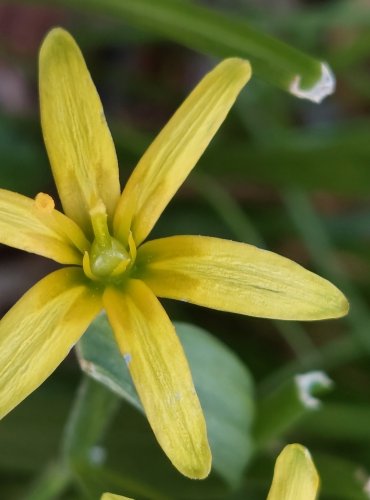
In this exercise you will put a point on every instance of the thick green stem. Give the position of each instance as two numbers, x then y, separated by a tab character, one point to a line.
91	414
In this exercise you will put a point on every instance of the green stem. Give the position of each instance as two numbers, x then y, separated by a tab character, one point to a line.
285	405
54	481
91	414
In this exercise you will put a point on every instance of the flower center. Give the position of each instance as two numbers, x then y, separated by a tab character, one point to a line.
108	258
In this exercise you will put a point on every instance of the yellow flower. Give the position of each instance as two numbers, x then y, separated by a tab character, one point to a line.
101	239
295	475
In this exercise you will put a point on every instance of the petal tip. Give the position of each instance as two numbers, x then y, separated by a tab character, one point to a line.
55	39
340	305
199	469
241	67
57	33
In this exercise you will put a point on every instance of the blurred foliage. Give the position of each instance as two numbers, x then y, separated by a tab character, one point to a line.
282	173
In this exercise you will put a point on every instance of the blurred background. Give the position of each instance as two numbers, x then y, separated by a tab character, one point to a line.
282	173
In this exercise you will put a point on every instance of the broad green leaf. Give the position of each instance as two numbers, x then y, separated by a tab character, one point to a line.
283	407
223	385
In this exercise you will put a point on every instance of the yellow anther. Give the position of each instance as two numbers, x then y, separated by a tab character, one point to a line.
44	203
87	268
132	247
121	267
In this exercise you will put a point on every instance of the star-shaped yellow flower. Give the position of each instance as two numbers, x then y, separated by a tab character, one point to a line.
101	240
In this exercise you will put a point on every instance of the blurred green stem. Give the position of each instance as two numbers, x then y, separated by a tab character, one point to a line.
84	455
91	414
53	482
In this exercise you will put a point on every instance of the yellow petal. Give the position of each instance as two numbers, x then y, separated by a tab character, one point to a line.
77	138
236	277
176	150
111	496
156	360
34	226
295	476
39	331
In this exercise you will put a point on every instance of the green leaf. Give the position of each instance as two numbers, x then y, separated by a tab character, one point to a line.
212	32
283	407
222	382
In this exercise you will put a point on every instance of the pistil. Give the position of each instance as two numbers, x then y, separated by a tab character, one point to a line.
108	257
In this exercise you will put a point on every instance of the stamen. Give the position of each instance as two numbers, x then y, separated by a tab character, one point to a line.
87	268
121	268
44	203
132	247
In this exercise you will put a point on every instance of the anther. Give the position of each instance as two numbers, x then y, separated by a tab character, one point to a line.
44	203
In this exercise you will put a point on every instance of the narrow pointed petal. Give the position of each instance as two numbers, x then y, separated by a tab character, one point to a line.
155	358
40	330
176	150
77	138
295	475
36	227
236	277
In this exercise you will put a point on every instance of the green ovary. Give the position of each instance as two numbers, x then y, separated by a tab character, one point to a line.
108	259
